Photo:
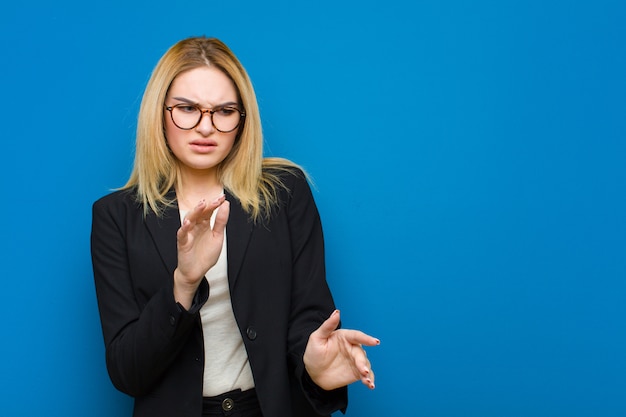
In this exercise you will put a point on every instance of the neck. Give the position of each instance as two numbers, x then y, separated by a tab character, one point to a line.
196	185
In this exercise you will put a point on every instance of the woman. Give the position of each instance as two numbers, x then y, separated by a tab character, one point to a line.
209	262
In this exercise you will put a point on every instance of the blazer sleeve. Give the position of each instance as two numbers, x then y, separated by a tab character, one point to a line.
142	336
311	299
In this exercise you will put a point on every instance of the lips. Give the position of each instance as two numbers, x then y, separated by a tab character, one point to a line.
203	145
203	142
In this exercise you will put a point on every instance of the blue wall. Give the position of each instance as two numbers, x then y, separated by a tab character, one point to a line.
469	159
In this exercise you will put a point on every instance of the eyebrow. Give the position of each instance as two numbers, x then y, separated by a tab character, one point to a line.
186	100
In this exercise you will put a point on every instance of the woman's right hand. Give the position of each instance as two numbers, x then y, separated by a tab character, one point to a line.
199	247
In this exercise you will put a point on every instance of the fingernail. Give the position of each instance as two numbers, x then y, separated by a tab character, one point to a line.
218	199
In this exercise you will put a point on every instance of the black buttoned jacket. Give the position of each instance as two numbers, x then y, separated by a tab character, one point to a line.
276	273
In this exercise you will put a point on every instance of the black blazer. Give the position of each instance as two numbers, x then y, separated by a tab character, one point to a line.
276	272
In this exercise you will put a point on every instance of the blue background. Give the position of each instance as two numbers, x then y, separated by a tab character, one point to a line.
469	167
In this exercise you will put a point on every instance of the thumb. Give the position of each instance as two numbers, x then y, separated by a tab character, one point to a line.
329	326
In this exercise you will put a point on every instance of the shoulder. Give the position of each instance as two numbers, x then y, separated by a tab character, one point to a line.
120	200
288	181
124	196
284	173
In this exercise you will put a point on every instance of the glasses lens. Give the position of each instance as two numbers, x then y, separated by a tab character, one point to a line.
226	119
186	117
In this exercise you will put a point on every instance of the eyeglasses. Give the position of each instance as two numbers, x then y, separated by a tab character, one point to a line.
186	116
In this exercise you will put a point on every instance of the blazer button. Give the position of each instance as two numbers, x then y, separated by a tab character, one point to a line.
172	320
251	333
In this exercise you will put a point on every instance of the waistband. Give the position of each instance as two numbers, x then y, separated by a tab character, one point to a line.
231	401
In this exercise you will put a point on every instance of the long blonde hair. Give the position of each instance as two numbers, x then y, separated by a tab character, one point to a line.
254	180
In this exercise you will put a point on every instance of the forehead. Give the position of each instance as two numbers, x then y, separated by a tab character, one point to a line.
204	85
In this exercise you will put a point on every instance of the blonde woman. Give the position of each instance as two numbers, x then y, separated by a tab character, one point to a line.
209	262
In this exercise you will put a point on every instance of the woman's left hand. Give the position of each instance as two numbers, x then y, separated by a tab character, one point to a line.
335	357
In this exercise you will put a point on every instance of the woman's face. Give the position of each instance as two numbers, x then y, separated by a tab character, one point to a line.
202	147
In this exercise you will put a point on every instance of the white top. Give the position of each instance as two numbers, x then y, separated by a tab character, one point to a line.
226	365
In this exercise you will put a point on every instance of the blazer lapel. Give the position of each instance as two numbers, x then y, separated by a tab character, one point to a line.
238	232
163	231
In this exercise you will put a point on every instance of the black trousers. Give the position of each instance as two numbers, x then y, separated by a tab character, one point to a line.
232	404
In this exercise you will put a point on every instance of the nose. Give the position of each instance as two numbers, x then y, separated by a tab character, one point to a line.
205	127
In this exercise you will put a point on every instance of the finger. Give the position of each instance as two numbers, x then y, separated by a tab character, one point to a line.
195	215
207	211
201	214
362	366
182	235
368	381
357	337
189	222
361	363
328	327
221	218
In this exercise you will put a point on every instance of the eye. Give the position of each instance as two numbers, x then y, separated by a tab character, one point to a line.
186	108
226	111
